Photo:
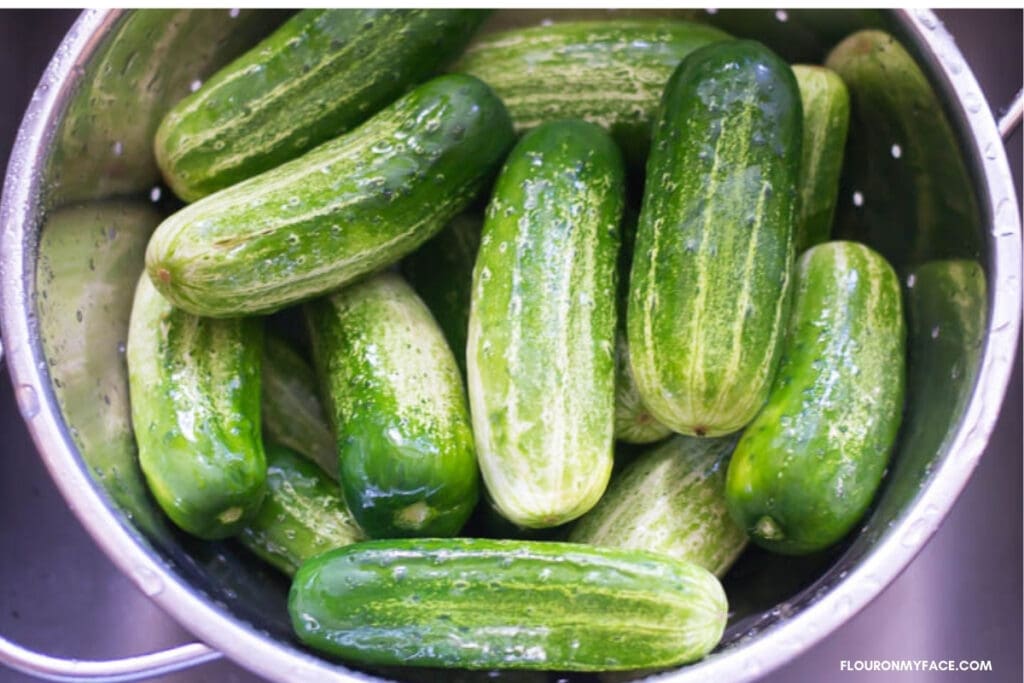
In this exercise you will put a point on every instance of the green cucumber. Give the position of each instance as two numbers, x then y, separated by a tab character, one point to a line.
398	407
806	469
441	272
907	189
634	422
709	289
826	107
480	604
671	500
611	73
349	207
541	348
319	75
194	385
302	514
293	415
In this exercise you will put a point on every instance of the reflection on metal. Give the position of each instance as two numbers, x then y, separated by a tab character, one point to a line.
946	308
90	257
104	145
903	160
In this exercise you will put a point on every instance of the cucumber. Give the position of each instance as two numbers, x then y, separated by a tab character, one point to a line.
319	75
194	386
479	604
671	500
611	73
906	188
806	469
634	422
395	398
293	415
348	207
709	289
826	107
302	514
541	347
441	272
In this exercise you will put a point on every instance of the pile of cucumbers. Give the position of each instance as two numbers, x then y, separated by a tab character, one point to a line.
512	251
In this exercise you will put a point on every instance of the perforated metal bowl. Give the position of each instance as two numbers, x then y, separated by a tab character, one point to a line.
83	158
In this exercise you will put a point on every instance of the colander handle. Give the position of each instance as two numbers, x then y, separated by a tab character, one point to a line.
1011	117
110	671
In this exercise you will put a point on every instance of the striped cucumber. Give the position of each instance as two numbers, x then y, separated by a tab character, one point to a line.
349	207
480	604
195	394
302	514
806	469
909	192
319	75
540	354
634	422
293	415
611	73
395	398
826	107
441	272
709	289
671	500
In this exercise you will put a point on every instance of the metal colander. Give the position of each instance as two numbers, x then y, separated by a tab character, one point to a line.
83	194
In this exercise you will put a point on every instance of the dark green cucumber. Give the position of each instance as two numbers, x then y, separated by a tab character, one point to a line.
479	604
195	395
806	469
302	515
611	73
293	415
671	500
397	403
709	289
319	75
349	207
441	272
540	354
826	107
906	188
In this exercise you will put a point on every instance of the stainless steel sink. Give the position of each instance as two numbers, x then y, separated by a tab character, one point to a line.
960	599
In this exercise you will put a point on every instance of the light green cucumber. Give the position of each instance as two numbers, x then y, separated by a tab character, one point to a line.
195	394
441	272
826	107
611	72
482	604
807	468
709	289
302	515
319	75
634	422
293	415
349	207
671	500
540	354
397	404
